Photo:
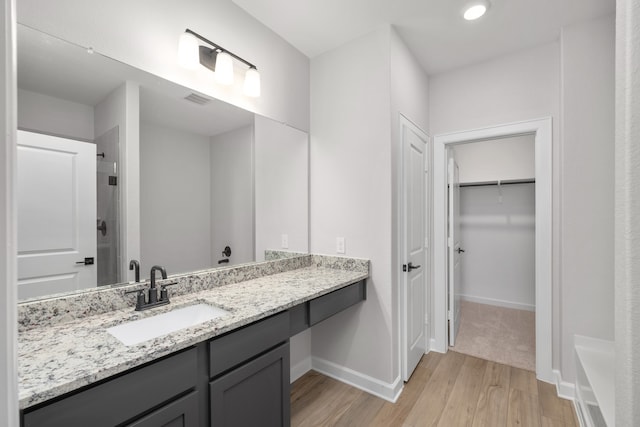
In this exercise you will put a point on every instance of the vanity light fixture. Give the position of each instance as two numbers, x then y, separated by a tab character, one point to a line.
475	10
217	59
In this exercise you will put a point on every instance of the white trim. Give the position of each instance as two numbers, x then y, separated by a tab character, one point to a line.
498	302
564	389
300	368
8	250
543	169
386	391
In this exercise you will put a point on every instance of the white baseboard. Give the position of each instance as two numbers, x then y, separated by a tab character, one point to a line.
565	389
434	345
498	302
386	391
300	369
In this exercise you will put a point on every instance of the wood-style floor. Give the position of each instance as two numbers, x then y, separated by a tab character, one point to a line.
445	390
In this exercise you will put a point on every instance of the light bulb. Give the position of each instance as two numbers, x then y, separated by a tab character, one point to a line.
475	10
252	83
188	51
224	68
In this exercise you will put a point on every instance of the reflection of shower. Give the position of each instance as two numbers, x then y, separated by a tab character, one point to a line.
108	207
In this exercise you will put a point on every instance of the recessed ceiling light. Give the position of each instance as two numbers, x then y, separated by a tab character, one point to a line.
475	10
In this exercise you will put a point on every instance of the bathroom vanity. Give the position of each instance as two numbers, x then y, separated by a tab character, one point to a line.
146	140
233	370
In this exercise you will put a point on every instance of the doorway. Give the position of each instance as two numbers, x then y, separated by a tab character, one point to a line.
542	131
493	286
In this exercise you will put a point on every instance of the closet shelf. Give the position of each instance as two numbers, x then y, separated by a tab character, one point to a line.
501	182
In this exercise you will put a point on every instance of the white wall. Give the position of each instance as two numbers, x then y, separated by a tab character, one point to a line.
8	250
518	87
350	197
281	187
175	194
500	159
54	116
232	196
300	354
627	198
498	236
357	93
587	159
123	30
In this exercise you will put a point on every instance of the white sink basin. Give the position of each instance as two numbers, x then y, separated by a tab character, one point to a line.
137	331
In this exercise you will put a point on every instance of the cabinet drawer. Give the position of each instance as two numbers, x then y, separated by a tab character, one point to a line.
123	398
238	346
254	394
182	412
327	305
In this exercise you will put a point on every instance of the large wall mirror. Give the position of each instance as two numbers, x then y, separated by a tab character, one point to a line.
115	164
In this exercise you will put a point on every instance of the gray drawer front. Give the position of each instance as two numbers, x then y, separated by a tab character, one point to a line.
181	412
327	305
254	394
120	399
239	345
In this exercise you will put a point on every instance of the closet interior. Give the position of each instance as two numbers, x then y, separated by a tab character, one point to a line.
497	234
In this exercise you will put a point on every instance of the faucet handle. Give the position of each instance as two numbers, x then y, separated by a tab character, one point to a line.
164	285
164	294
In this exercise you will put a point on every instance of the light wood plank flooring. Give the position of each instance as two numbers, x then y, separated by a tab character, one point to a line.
445	390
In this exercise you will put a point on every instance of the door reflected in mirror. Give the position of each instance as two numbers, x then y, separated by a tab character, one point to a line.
116	164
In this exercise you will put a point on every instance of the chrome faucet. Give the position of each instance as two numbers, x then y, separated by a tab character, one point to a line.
152	299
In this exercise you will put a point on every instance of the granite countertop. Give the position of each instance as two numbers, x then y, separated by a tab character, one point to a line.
56	359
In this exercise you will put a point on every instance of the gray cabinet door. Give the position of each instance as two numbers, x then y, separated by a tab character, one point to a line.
254	394
182	412
122	398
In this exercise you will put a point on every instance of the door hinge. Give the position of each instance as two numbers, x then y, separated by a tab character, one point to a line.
449	315
449	242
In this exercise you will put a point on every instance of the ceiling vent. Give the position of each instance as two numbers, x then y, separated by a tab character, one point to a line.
197	99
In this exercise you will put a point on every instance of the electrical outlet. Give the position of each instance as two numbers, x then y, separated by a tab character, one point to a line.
340	245
285	241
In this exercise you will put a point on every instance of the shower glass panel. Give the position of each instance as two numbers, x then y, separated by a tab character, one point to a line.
108	201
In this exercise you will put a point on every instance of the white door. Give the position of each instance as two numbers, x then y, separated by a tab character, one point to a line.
56	214
414	145
454	250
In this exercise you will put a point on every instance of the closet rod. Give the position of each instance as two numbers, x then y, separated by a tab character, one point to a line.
506	182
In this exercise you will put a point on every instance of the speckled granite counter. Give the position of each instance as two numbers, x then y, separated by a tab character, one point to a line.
60	357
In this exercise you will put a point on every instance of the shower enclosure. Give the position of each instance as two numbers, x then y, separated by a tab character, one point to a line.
108	207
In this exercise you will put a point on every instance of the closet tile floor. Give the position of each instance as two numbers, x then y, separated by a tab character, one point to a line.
446	390
499	334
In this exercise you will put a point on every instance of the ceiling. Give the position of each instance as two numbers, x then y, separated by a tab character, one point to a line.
433	29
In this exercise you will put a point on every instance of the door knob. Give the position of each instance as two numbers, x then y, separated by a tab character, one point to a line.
87	261
102	227
460	250
409	267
